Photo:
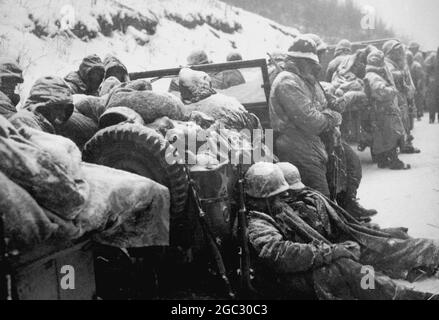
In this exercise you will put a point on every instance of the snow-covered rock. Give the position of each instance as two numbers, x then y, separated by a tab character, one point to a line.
51	37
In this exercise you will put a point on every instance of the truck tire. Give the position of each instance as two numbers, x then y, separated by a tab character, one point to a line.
141	150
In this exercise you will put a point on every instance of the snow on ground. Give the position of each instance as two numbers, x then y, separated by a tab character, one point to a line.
407	198
30	32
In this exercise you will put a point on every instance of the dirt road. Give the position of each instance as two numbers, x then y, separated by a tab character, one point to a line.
407	198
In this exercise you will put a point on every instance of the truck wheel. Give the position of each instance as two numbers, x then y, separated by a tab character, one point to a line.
142	151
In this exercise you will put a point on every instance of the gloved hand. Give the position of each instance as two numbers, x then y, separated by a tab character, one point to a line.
349	249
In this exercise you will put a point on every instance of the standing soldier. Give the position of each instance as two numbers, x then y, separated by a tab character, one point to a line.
343	49
418	77
432	95
299	114
88	78
396	64
388	130
10	76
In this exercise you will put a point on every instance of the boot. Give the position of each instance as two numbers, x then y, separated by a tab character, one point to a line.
350	203
383	160
395	163
410	149
357	210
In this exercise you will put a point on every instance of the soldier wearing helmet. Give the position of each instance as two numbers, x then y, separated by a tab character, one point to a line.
308	247
396	63
343	49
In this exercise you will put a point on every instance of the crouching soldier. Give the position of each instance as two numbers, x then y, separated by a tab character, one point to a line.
10	76
48	106
307	247
88	78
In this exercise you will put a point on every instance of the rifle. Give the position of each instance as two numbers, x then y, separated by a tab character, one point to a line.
278	68
219	261
246	287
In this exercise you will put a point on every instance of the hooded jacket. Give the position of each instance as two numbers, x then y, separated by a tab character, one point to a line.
389	130
112	62
47	93
77	80
299	114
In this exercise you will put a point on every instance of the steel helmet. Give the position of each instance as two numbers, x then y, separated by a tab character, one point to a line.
320	44
390	45
343	46
292	175
264	180
414	45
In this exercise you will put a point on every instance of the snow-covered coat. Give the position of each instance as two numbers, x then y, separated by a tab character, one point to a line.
47	93
406	91
294	250
112	62
77	80
333	67
299	114
388	131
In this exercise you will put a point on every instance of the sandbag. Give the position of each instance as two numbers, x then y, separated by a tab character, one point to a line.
39	173
150	105
125	209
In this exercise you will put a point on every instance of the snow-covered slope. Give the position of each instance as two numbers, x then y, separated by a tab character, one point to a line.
144	34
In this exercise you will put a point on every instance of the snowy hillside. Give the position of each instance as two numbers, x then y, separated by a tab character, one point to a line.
144	34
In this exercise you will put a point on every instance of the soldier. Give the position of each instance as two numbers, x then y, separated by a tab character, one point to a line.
299	114
418	76
234	56
396	63
432	94
10	76
304	127
414	48
115	68
322	49
49	105
307	247
343	49
232	77
388	131
88	78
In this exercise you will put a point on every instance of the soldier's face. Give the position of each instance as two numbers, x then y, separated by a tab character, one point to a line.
95	78
55	114
117	73
315	69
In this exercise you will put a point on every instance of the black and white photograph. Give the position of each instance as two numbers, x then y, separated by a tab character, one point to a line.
214	157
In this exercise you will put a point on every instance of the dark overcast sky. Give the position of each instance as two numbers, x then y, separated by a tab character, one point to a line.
418	19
